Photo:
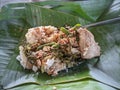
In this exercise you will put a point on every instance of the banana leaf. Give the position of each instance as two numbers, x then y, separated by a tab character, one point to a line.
15	19
80	8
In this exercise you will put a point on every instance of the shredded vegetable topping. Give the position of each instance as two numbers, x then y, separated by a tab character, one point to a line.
52	49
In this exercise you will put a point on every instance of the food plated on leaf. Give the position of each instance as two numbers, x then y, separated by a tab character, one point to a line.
50	49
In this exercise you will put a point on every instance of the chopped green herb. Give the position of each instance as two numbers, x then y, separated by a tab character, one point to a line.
64	30
76	26
56	45
47	44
